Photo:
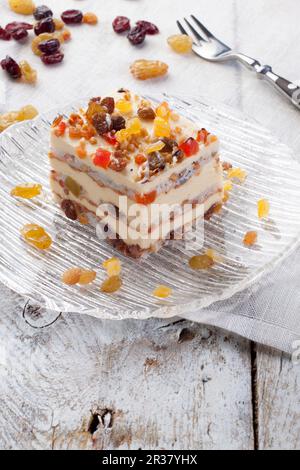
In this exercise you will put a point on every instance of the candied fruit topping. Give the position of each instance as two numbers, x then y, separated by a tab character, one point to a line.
163	292
94	108
121	24
109	104
36	236
111	285
202	136
140	159
27	191
118	122
161	127
155	147
42	12
190	147
60	129
163	111
124	106
29	74
227	185
134	126
22	7
102	158
145	69
237	173
72	17
250	238
90	18
180	43
86	277
263	208
102	123
112	266
71	276
201	262
146	199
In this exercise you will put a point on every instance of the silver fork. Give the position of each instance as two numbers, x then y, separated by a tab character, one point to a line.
207	46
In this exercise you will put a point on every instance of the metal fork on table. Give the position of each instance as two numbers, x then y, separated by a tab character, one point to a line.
207	46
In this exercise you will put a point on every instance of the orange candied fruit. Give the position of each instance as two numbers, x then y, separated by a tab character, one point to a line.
163	292
237	173
36	236
81	150
163	110
161	127
27	191
202	136
60	129
250	238
112	266
263	208
140	159
146	199
74	132
90	18
124	106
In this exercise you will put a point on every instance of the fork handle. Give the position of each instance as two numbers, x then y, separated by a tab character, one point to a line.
285	87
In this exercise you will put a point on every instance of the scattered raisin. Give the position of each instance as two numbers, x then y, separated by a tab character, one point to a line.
201	262
136	36
170	144
69	209
42	12
143	69
5	35
71	276
46	25
20	34
11	27
156	162
11	67
121	24
72	17
148	27
111	284
53	59
118	123
109	104
102	123
49	47
179	155
147	114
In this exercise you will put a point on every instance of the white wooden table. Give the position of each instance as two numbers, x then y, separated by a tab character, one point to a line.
85	383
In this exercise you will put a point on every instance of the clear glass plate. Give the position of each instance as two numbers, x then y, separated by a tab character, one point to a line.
273	174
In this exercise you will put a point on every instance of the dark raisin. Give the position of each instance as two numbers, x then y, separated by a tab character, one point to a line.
72	17
122	90
102	123
118	123
69	209
109	104
11	67
136	36
156	162
169	144
148	27
11	27
42	12
121	24
20	34
179	155
49	47
118	164
146	113
5	35
53	59
46	25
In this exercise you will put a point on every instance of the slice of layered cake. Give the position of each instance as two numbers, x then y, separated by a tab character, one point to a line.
124	156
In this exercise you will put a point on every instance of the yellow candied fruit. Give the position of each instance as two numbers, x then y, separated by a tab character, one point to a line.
112	266
122	135
111	285
227	185
161	128
86	277
237	173
36	236
163	111
180	43
27	191
134	126
124	106
71	276
250	238
263	208
163	292
201	262
22	7
29	74
155	147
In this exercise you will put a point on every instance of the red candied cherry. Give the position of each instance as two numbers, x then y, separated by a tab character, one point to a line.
102	158
5	35
148	27
72	16
146	198
189	147
121	24
11	67
110	138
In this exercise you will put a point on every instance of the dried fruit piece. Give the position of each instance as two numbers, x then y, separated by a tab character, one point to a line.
163	111
42	12
161	127
27	112
227	185
69	209
59	24
60	129
250	238
22	7
156	162
148	27
11	67
90	18
140	159
201	262
118	164
118	123
237	173
213	255
121	24
64	35
20	34
71	277
36	236
147	114
73	186
134	126
51	46
263	208
162	292
14	25
109	104
124	106
53	59
202	136
144	69
136	35
28	73
86	277
72	16
38	39
146	199
102	123
155	147
180	43
189	147
169	144
112	266
5	35
46	25
27	191
111	285
102	158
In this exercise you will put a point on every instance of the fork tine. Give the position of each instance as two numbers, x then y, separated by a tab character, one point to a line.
202	27
181	28
195	33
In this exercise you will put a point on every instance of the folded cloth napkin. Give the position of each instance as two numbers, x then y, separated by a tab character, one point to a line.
268	312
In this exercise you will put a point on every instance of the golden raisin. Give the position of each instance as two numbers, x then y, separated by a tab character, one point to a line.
22	7
263	208
86	277
111	284
161	127
29	74
162	292
59	24
8	119
180	43
237	173
90	18
201	262
145	69
227	185
112	266
36	236
71	276
250	238
27	191
27	112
